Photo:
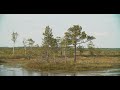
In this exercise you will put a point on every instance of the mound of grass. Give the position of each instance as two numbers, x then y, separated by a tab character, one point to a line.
83	64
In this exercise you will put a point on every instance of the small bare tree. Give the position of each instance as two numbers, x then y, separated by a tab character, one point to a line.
25	45
91	48
30	42
14	38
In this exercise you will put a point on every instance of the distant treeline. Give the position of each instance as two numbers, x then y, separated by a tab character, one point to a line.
84	48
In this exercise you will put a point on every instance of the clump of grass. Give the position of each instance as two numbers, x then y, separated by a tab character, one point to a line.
69	66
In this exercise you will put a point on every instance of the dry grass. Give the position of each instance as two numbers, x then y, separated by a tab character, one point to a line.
81	64
14	62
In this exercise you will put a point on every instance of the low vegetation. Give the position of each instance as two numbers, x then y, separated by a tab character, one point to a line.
86	61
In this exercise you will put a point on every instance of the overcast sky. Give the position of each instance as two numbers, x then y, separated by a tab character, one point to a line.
105	27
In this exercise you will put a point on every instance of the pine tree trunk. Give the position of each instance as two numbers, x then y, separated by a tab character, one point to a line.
75	53
65	53
25	50
47	54
13	48
54	58
61	52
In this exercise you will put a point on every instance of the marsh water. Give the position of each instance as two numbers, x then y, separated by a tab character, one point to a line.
18	71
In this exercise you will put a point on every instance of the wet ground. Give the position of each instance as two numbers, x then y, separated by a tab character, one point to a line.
18	71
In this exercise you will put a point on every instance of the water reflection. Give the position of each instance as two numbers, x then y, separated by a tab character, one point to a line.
8	71
5	71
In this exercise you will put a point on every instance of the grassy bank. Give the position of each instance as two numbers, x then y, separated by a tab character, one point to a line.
105	59
82	64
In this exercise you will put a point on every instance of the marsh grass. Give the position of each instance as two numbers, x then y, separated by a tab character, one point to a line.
82	64
99	61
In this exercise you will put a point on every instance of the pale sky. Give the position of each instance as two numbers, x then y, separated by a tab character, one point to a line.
105	27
